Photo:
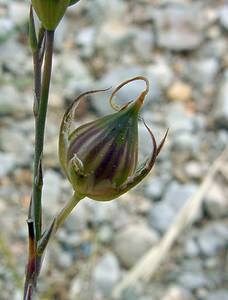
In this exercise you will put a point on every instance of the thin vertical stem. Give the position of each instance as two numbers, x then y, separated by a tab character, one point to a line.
41	90
37	65
39	134
36	45
31	274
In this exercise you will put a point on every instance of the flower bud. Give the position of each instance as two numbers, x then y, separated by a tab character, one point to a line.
100	158
72	2
50	12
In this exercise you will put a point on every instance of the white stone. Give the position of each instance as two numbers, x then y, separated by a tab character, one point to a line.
18	12
178	27
177	293
7	163
133	242
216	202
106	273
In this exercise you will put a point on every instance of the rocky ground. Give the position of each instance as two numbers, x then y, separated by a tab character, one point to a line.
182	47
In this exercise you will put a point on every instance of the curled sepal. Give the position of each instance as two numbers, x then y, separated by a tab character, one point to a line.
65	129
143	170
139	100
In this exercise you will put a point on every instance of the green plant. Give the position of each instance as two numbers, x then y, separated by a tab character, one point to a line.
115	169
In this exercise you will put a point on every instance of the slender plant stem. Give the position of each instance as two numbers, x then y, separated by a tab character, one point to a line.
57	222
37	65
41	90
64	213
36	251
39	134
31	274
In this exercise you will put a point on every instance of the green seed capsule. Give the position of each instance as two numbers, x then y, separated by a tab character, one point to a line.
50	12
100	158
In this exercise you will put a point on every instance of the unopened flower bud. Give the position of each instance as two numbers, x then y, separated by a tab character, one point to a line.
100	158
50	12
72	2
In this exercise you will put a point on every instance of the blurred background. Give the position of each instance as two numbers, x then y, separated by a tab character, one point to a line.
182	47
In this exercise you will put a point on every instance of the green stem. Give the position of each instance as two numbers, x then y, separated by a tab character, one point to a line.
64	213
56	223
39	135
41	90
37	64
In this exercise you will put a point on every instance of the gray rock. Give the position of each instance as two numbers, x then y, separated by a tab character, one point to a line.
194	170
90	211
17	143
216	202
86	41
186	142
143	43
178	194
177	293
10	101
7	164
64	260
78	219
162	72
105	234
81	289
222	139
17	295
76	76
221	105
178	27
217	271
132	293
132	242
76	288
67	63
161	216
193	280
215	48
106	273
203	71
98	8
223	16
191	248
163	213
18	12
60	35
213	239
178	119
6	26
69	239
113	38
20	65
146	298
155	188
103	212
5	2
51	192
217	295
130	92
